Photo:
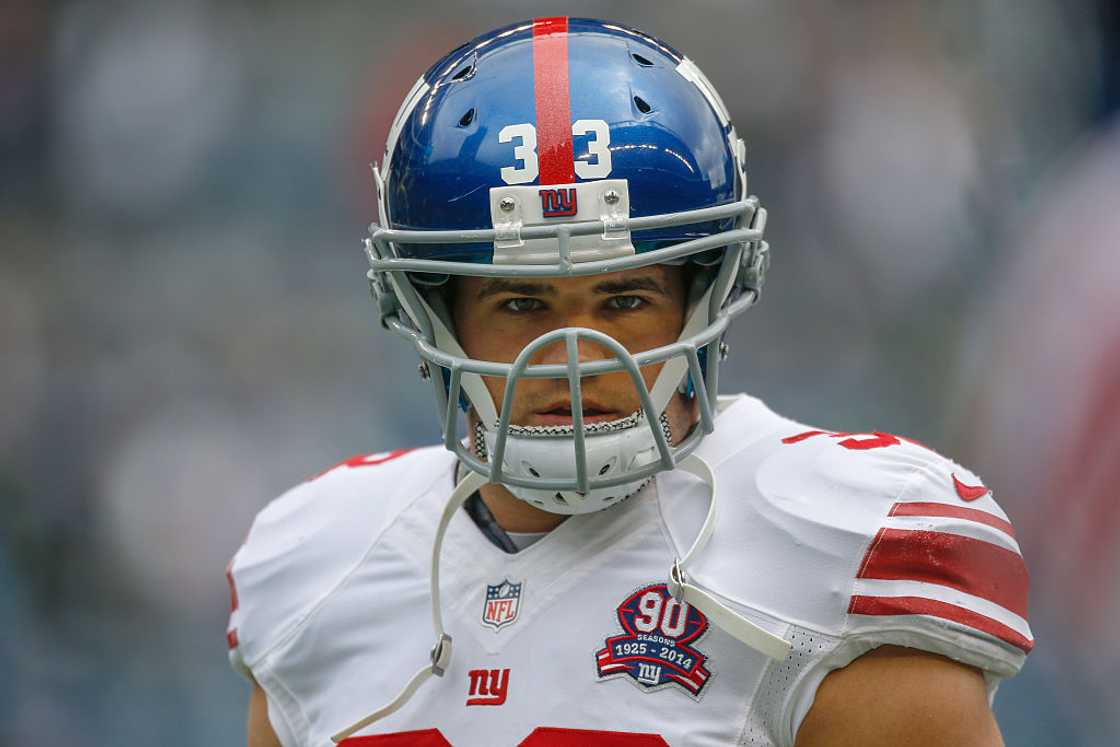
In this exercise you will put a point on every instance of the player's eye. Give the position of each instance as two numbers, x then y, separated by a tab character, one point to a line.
522	305
625	303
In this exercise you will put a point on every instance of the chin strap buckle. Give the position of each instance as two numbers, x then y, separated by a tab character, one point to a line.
441	655
755	263
676	581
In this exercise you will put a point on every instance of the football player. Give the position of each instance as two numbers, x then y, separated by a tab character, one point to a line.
603	551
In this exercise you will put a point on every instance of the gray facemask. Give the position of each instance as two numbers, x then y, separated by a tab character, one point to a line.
590	467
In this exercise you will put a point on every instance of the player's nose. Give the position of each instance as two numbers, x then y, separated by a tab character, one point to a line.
557	352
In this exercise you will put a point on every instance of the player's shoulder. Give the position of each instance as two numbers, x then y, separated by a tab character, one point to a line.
303	543
832	477
868	536
855	474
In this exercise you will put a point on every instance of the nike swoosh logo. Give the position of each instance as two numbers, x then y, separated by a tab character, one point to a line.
969	492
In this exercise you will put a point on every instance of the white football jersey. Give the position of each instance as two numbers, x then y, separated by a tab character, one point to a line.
837	542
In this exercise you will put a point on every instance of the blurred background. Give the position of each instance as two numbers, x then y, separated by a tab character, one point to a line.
185	329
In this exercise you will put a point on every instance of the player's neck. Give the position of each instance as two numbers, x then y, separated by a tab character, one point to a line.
514	514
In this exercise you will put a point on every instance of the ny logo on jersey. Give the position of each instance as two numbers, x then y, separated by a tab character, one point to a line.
488	686
502	604
556	203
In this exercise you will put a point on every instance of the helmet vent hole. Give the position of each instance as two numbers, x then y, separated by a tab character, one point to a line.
643	105
534	473
466	71
640	60
605	468
467	118
561	500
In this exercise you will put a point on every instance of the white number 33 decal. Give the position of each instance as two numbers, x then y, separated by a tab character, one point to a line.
524	138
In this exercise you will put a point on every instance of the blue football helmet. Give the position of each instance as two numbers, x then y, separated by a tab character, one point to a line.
565	147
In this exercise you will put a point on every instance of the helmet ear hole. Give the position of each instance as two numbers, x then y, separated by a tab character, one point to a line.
642	105
467	118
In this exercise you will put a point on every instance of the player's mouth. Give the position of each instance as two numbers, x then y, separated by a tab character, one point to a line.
561	414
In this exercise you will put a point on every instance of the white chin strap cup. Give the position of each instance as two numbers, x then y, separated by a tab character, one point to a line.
751	634
622	447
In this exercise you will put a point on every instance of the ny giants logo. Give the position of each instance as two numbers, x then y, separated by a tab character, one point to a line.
558	202
654	649
488	686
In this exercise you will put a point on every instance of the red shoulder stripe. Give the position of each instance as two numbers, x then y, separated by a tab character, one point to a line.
970	565
954	512
867	605
418	738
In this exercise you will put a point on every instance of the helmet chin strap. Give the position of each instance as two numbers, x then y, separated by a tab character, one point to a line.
754	636
441	653
674	370
680	587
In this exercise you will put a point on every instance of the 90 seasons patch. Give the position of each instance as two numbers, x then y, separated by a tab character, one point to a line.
654	649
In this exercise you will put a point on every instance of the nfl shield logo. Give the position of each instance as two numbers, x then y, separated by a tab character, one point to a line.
501	605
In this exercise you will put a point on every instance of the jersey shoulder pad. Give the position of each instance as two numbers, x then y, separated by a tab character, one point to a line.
304	543
923	554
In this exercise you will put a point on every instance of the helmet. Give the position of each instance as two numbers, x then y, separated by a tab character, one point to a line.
564	147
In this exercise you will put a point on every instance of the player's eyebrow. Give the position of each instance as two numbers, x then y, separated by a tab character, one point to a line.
495	286
519	287
628	285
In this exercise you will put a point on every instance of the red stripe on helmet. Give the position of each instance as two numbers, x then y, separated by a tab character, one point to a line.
553	100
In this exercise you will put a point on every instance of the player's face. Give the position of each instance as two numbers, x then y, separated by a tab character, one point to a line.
496	318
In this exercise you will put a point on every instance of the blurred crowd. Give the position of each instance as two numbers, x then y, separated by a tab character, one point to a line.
185	329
